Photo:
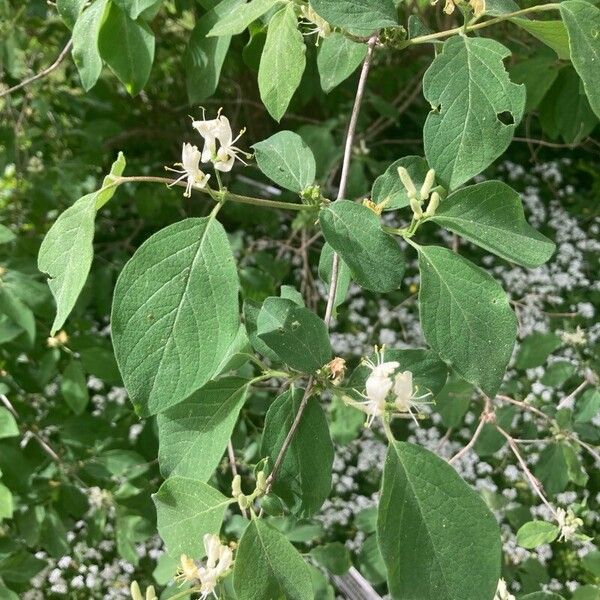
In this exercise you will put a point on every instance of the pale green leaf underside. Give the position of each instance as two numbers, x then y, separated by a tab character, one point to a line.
490	214
6	235
193	435
551	33
466	317
287	160
175	313
535	533
304	478
582	20
282	62
344	276
66	252
187	509
436	535
237	19
268	567
338	58
468	89
389	189
354	232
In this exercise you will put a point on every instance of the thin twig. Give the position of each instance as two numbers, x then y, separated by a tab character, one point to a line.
568	399
486	416
234	471
41	74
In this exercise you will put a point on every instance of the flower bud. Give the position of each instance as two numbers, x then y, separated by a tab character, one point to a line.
407	182
150	593
433	205
427	184
416	208
243	501
236	486
136	593
261	482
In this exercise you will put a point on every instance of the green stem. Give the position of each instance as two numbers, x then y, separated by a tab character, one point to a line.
424	39
185	593
206	190
388	430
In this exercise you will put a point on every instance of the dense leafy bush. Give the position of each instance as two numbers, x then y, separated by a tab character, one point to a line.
356	348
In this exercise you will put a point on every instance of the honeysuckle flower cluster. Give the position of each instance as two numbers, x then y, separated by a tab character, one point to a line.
478	6
218	149
417	199
136	593
574	338
383	383
219	560
568	524
315	22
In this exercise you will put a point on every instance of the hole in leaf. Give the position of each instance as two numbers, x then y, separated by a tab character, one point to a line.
506	118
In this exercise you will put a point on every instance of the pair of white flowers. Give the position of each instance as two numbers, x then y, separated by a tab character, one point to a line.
383	383
219	560
219	149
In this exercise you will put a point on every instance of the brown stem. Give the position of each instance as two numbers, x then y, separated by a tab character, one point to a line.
42	73
485	417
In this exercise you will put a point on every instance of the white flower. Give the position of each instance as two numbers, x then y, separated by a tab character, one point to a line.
190	163
219	559
574	338
316	23
219	129
568	524
405	398
502	592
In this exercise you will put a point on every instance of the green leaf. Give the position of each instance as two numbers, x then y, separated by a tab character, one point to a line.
358	16
297	335
134	8
6	508
127	46
193	435
558	373
551	33
535	349
282	62
267	566
490	214
469	91
496	8
186	510
538	74
287	160
429	372
374	257
466	317
17	311
389	189
338	58
304	479
432	528
552	468
550	596
6	235
8	425
66	252
453	402
236	20
582	20
588	406
69	11
175	313
204	56
344	276
333	556
584	592
85	43
73	387
535	533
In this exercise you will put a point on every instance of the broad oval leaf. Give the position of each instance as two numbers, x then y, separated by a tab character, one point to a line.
358	16
8	424
69	11
204	56
86	55
267	566
286	159
389	189
237	19
551	33
374	257
304	478
470	92
6	235
175	313
535	533
73	387
297	335
127	46
193	434
490	214
338	58
436	535
325	271
186	510
466	317
582	20
282	62
134	8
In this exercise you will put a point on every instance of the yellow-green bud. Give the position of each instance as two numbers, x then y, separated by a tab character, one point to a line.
433	205
261	482
136	593
150	593
243	501
427	184
416	208
407	182
236	486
